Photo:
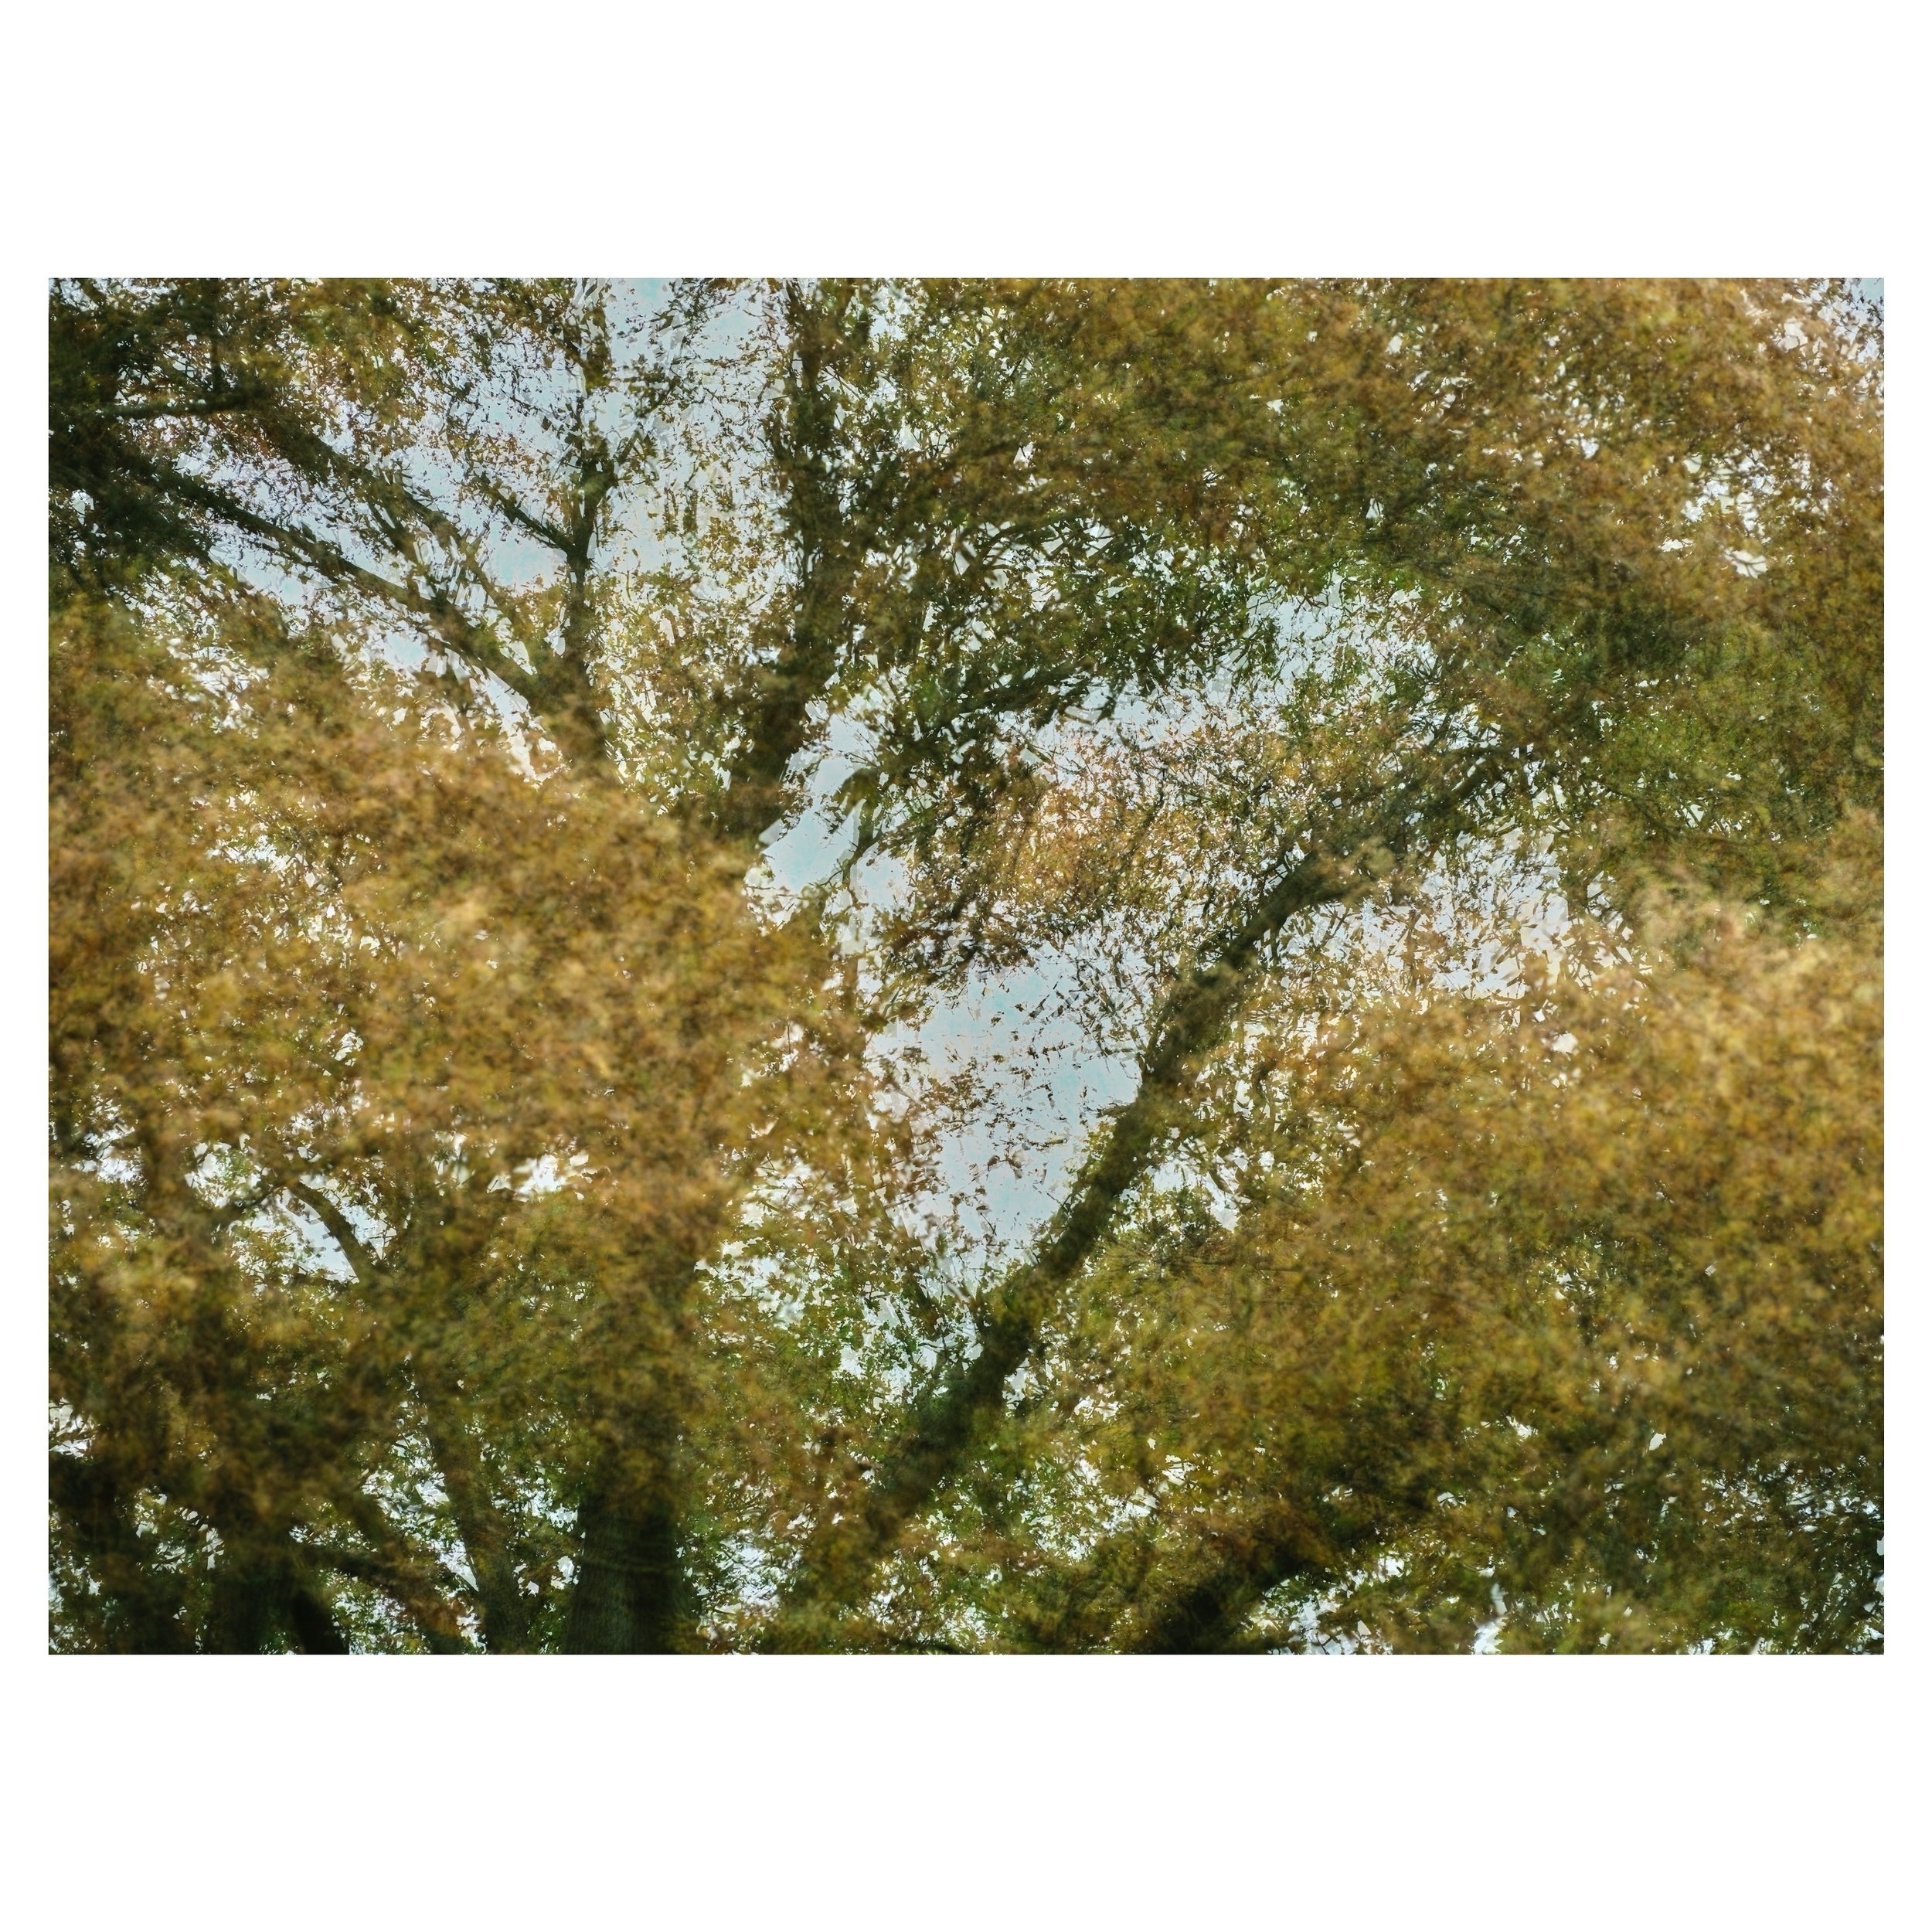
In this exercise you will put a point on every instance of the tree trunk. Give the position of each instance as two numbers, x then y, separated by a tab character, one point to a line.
626	1594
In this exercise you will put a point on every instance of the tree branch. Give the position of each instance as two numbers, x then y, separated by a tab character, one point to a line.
1193	1018
1207	1613
366	1265
501	500
452	630
406	1584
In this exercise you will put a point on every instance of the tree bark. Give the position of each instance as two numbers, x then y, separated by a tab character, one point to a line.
629	1590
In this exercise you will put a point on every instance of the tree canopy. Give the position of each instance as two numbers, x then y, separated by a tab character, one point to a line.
965	965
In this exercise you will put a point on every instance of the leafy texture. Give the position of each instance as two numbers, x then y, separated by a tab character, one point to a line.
965	965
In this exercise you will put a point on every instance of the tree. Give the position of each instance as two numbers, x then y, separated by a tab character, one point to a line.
1424	739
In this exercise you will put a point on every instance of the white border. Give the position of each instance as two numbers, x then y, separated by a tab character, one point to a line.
1124	138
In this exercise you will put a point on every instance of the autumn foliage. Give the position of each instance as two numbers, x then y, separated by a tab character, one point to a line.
548	781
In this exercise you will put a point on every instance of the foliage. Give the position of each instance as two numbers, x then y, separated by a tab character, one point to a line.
1420	742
